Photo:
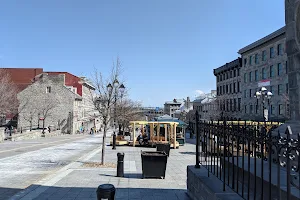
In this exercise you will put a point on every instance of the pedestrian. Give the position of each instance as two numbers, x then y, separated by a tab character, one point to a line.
91	132
49	129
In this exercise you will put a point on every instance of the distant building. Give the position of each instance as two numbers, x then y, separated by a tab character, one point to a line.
207	106
170	107
265	64
229	89
151	112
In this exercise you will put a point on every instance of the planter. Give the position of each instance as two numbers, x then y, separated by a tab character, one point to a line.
154	164
163	147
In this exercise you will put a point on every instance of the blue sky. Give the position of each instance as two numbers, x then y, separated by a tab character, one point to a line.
168	48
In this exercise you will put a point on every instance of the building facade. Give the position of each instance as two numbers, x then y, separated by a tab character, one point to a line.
265	64
21	78
69	98
229	93
151	112
207	106
170	107
48	101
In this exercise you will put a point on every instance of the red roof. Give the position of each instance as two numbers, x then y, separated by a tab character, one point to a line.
70	80
22	76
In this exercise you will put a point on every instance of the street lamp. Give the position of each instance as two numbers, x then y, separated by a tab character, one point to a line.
121	89
264	95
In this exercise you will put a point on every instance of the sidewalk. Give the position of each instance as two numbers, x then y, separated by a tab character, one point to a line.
78	182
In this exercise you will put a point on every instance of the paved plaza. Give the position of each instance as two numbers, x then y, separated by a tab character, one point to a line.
74	181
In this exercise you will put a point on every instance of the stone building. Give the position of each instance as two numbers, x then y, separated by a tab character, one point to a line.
265	64
48	100
86	114
21	78
170	107
207	106
229	95
67	99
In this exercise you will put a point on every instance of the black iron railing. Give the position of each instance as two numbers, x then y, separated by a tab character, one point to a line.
254	161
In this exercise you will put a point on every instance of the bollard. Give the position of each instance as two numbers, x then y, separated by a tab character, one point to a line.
120	166
114	141
106	191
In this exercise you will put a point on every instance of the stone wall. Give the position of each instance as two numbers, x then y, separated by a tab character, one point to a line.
36	99
201	187
248	100
33	135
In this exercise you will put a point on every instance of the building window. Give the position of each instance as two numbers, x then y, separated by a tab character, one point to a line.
245	62
245	108
227	105
231	74
264	74
238	72
272	109
250	92
234	90
238	87
245	78
220	77
279	49
224	77
287	88
251	109
280	89
272	52
48	89
256	75
279	69
250	60
230	104
226	89
230	88
264	55
280	109
272	71
227	75
239	104
250	76
245	93
256	59
217	78
234	73
223	89
234	105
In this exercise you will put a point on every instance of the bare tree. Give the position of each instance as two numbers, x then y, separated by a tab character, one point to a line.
128	110
46	107
105	97
29	116
8	97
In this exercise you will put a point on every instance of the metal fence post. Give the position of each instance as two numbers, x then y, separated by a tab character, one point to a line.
197	140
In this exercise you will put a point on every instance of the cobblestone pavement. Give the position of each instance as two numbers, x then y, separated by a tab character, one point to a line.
77	182
34	159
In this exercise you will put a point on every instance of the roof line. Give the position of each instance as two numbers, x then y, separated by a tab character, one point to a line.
263	40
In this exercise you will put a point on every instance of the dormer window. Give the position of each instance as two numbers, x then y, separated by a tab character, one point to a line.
48	89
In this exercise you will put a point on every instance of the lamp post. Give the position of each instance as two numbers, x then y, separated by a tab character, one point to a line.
264	95
121	89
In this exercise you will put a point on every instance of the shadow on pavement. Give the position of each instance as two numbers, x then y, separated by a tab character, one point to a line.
89	193
188	153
